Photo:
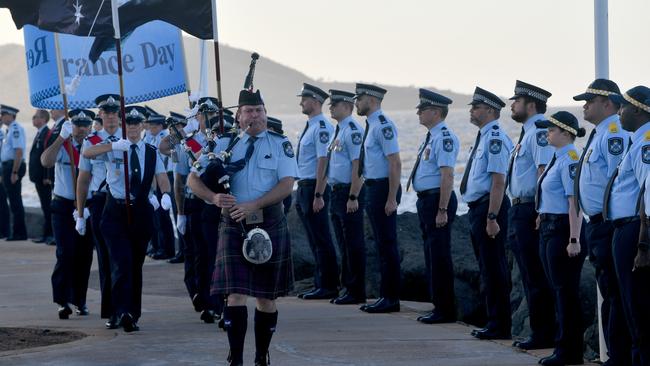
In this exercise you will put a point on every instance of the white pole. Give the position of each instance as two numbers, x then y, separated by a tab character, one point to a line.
601	48
204	84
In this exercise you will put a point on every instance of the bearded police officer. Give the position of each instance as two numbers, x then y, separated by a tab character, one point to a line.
381	166
128	232
92	178
527	161
346	207
263	174
621	205
603	152
482	187
312	198
74	251
12	156
433	180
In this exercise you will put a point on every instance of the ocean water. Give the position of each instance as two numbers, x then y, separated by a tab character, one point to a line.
410	136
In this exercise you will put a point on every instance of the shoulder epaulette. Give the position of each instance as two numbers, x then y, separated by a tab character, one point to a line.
273	133
495	127
322	124
353	126
613	128
382	119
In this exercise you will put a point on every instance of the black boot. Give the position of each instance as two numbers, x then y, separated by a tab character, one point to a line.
235	323
264	328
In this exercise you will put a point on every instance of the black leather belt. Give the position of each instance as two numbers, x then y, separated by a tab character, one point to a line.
596	219
625	220
552	217
59	198
190	196
121	201
99	194
370	182
520	200
428	192
270	211
340	186
306	182
485	198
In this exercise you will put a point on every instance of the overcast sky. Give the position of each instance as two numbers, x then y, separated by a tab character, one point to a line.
449	44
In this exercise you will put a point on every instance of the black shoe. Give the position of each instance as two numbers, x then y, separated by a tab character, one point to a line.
128	323
176	259
347	299
40	240
531	343
52	242
365	306
17	238
301	295
263	360
478	330
196	301
385	305
557	360
492	334
207	316
82	311
436	318
111	323
161	256
65	312
320	294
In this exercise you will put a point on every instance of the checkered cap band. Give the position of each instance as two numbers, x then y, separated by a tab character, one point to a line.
308	93
432	102
636	103
531	93
563	126
604	93
374	93
483	99
341	98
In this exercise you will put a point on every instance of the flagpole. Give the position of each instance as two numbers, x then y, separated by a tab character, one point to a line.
217	63
64	95
120	74
187	76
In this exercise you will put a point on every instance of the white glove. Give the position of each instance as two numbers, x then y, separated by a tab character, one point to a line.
166	202
80	226
75	214
181	221
86	213
154	202
66	130
121	145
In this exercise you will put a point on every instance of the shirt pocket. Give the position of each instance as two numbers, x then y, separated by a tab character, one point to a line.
267	169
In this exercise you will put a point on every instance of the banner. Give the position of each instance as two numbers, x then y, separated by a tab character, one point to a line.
152	61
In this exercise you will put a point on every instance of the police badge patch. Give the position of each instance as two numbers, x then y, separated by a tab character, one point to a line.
645	154
324	137
615	145
356	138
573	168
388	133
288	149
542	138
495	146
448	145
16	134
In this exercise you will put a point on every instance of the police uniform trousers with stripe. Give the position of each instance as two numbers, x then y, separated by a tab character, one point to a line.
348	229
13	192
317	228
384	229
96	207
599	235
523	239
493	267
563	274
634	287
233	274
74	256
210	218
437	252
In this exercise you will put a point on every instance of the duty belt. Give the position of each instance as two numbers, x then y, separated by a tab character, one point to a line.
340	186
370	182
596	219
485	198
624	221
552	217
428	192
520	200
59	198
306	182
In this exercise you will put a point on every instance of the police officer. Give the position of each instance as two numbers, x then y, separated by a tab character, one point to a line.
258	189
603	152
4	207
178	187
482	187
346	206
313	196
381	166
433	180
74	252
92	178
40	176
275	125
127	232
560	225
13	169
527	162
619	208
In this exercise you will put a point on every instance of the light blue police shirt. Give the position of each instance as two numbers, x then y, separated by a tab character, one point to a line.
381	142
344	150
14	139
557	186
532	152
97	167
313	145
441	151
63	185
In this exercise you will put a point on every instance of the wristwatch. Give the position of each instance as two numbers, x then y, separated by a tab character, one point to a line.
442	209
318	195
491	216
573	241
352	197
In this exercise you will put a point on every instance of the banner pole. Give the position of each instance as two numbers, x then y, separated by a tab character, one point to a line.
187	76
217	63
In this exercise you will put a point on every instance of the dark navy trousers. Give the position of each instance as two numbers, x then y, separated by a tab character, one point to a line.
210	218
13	192
96	208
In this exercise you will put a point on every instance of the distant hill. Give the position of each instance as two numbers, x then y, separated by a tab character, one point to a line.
279	83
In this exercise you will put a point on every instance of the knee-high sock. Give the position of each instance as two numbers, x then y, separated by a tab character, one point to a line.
264	328
235	322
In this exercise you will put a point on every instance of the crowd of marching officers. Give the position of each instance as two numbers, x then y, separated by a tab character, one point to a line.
552	203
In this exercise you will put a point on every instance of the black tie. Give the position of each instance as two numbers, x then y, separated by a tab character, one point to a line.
468	167
576	180
417	161
136	181
362	155
610	184
538	192
300	139
330	149
511	164
238	165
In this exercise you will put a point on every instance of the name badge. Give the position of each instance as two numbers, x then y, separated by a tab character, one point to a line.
255	217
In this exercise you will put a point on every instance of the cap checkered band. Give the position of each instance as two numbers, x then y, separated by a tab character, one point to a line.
636	103
308	93
486	100
433	102
370	92
563	126
531	93
604	93
342	98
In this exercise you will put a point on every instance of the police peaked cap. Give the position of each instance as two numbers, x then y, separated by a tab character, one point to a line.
432	99
523	89
482	96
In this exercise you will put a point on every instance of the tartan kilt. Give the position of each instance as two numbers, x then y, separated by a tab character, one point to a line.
233	274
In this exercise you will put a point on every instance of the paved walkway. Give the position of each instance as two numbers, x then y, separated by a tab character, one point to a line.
309	332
